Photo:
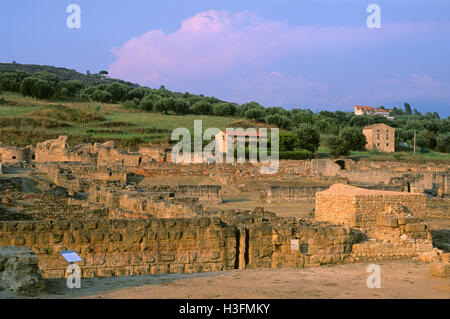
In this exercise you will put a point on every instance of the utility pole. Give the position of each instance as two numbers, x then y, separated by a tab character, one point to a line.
414	142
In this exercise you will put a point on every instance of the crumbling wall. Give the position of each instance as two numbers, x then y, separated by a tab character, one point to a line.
58	150
78	176
14	155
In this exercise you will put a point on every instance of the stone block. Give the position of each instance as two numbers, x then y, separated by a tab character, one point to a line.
440	270
418	227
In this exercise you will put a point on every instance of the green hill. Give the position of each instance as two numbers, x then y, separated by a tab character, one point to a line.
63	74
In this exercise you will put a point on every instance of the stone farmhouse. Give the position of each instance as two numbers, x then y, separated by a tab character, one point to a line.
380	137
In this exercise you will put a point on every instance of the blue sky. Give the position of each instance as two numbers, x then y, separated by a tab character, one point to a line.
315	54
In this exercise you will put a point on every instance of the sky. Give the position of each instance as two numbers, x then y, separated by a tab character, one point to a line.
316	54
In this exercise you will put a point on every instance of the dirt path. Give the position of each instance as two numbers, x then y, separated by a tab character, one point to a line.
399	279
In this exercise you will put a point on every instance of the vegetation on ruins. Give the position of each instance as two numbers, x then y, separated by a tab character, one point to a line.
98	96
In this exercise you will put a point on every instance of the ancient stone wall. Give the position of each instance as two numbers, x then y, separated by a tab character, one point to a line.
358	207
143	203
14	155
277	194
78	176
126	247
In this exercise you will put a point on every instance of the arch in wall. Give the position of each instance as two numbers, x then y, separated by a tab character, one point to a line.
341	163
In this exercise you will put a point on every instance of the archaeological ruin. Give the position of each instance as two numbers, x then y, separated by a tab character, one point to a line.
139	213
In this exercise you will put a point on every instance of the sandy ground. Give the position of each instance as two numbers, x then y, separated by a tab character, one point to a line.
399	279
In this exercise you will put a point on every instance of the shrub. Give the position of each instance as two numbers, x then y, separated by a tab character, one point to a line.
296	155
337	146
355	138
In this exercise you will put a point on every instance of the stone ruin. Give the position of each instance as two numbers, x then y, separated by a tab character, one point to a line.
90	202
19	271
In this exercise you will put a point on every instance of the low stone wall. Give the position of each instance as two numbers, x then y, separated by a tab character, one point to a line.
127	247
204	193
292	194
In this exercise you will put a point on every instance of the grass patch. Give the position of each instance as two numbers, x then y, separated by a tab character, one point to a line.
30	122
67	114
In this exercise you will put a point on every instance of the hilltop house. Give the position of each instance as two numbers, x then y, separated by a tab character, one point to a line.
368	110
380	137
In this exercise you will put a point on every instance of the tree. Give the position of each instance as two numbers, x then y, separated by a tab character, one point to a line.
139	93
118	91
70	88
202	107
225	109
281	121
430	139
337	146
288	141
10	81
164	104
255	114
308	137
36	88
101	96
443	143
147	103
354	137
51	78
247	106
407	108
180	106
103	72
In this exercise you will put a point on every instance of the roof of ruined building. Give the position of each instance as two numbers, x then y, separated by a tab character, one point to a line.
342	189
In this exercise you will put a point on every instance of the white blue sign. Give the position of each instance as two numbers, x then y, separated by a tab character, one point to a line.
70	256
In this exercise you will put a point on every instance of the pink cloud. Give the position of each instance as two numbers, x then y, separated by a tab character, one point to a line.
216	51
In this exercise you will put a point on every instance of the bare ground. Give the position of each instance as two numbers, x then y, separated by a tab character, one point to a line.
399	279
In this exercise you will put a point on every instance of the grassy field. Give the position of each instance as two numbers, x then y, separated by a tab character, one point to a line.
26	121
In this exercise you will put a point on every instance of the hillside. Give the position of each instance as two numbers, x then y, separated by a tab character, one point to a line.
96	108
63	74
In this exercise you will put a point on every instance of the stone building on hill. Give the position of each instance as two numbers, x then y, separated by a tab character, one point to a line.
380	137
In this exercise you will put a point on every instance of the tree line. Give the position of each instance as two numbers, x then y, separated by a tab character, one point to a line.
301	128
